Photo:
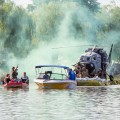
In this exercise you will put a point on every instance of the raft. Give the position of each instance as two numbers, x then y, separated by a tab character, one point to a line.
14	84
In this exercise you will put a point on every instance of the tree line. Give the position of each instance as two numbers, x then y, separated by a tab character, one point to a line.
23	29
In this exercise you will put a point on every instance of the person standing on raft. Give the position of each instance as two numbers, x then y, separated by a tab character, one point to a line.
14	72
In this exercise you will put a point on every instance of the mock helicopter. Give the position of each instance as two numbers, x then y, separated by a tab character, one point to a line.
95	59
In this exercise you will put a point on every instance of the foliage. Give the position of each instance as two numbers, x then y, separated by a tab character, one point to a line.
92	5
16	29
23	29
46	19
109	28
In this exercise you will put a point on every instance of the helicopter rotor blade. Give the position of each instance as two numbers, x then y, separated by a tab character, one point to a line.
70	46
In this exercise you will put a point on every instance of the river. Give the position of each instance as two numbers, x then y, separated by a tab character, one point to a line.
83	103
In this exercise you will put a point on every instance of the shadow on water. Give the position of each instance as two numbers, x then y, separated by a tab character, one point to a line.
16	89
2	88
92	89
83	103
89	90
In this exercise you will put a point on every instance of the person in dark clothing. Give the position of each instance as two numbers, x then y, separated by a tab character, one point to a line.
7	79
14	72
46	76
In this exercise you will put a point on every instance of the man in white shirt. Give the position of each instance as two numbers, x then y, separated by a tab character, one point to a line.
25	78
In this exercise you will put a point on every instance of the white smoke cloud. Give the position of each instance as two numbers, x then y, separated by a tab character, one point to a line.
66	24
66	36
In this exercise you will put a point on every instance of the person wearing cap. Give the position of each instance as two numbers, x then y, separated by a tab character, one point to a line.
25	78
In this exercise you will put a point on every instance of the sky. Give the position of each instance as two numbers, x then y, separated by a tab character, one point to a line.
24	3
104	2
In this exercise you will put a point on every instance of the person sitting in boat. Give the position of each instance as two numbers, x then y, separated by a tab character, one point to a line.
93	73
46	76
25	78
77	69
14	72
7	79
79	74
71	74
85	72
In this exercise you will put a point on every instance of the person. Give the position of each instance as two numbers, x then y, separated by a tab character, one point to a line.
84	72
100	73
25	78
71	74
14	72
46	76
79	75
7	79
77	69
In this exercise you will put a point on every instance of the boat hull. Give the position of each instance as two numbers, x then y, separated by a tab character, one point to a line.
15	85
56	84
91	82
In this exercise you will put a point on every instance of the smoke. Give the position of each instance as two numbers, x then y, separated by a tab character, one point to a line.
34	37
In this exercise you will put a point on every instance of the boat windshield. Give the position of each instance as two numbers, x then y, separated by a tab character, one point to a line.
53	72
54	76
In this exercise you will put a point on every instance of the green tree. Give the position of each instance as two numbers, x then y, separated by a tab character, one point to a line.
19	32
109	28
92	5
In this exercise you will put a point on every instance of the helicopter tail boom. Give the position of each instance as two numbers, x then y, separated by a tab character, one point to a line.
109	57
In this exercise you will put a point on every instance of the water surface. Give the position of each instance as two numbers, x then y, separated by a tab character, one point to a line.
83	103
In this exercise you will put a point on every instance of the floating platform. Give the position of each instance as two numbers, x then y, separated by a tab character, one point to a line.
93	82
97	83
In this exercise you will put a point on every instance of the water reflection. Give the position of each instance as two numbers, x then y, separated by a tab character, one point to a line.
15	89
83	103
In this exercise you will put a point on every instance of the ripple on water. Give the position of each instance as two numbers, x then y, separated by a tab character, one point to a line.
83	103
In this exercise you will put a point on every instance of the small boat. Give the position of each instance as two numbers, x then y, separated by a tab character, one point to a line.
15	84
57	80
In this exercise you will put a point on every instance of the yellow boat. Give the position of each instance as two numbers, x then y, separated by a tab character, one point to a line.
57	80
